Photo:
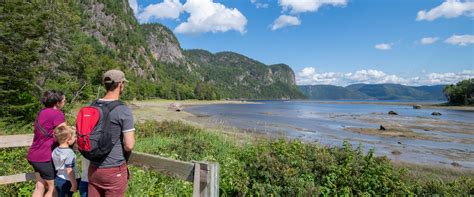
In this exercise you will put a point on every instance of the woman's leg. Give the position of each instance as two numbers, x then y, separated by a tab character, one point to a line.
50	185
40	186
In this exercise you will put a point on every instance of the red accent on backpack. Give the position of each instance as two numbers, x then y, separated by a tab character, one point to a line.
86	120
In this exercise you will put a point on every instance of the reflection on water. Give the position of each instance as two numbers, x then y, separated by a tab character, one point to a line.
326	123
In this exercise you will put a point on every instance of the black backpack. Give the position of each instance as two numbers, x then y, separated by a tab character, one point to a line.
94	137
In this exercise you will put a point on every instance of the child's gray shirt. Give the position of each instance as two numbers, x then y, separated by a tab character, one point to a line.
64	158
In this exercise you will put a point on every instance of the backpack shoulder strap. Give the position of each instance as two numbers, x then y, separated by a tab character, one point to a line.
37	125
112	105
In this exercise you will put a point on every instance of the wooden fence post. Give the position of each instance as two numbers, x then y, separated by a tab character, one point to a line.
197	180
210	173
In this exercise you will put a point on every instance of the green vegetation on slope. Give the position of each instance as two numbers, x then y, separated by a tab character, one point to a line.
374	92
328	92
237	76
460	94
265	167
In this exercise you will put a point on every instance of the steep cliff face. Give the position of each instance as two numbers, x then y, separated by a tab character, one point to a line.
163	44
112	23
283	73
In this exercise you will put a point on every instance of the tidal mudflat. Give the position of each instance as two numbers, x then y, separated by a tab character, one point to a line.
414	135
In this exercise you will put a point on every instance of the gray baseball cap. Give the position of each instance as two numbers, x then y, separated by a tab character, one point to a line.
113	76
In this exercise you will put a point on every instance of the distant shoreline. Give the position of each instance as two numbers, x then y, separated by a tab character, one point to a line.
426	105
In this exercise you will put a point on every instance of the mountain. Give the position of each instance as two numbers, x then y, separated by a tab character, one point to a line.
237	76
331	92
67	45
374	92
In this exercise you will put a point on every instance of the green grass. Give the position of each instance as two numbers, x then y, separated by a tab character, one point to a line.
262	167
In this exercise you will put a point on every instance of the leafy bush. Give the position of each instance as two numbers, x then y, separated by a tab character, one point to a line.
289	168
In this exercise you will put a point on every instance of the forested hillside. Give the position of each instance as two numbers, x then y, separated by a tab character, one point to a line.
374	92
237	76
67	46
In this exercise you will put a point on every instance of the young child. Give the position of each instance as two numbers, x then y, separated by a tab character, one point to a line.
64	160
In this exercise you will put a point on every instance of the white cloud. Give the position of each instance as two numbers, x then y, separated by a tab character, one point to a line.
259	4
373	76
284	21
384	46
204	15
446	78
168	9
309	76
134	5
307	72
428	40
300	6
461	40
207	16
448	9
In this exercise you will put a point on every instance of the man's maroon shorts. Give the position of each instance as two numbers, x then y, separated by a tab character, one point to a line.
108	181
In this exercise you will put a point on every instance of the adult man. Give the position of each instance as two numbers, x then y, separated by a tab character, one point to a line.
110	177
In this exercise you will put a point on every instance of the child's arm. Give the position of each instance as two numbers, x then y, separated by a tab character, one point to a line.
72	178
70	165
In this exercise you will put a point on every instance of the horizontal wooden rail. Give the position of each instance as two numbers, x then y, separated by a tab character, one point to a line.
17	178
7	141
205	180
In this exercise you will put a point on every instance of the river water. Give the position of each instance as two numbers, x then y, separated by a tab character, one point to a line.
327	123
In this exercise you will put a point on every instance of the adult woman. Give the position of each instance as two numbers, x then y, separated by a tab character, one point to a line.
39	154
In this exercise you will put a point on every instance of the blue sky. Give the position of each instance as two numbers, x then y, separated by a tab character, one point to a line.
335	42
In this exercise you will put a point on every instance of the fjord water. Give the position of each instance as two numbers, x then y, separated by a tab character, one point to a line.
327	123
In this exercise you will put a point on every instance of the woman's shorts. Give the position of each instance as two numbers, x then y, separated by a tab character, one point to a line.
45	169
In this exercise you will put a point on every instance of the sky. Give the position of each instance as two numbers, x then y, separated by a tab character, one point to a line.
336	42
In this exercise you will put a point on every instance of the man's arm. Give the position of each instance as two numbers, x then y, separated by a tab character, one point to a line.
128	141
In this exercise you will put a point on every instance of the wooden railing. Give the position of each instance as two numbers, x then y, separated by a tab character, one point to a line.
204	175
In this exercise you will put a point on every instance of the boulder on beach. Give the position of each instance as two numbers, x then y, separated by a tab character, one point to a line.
382	128
436	114
392	113
175	107
396	152
416	106
456	164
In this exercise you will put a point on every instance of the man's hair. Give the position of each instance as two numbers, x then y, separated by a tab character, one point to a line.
63	133
111	86
51	98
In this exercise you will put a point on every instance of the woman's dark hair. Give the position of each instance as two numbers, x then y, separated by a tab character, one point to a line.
52	97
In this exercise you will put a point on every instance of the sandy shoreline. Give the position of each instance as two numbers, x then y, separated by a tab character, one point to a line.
158	109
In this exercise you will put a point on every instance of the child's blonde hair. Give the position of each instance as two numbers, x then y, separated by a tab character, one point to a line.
63	133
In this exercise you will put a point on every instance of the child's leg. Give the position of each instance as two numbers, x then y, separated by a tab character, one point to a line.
83	188
63	187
